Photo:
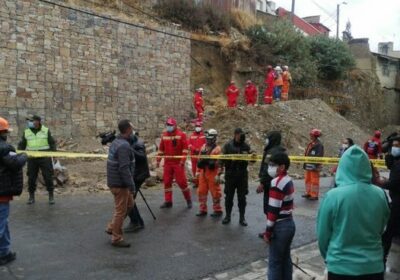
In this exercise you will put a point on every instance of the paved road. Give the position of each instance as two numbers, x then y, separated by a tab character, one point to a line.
67	241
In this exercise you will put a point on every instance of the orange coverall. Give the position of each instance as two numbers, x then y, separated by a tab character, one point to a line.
198	103
287	79
232	93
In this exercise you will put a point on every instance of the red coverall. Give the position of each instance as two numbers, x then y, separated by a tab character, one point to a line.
196	142
174	144
207	182
250	94
199	105
373	148
269	81
232	92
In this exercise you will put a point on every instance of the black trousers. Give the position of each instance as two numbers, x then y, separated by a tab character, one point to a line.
45	165
134	214
393	226
236	182
377	276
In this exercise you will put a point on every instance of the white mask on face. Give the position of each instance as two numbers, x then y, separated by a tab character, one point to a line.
272	171
197	129
266	142
345	146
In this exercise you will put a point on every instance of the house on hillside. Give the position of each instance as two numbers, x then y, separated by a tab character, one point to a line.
227	5
386	48
309	26
267	7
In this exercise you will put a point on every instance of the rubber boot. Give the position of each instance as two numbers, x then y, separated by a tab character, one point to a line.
227	218
31	199
51	198
242	220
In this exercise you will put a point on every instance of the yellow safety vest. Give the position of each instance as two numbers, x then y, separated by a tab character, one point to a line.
38	141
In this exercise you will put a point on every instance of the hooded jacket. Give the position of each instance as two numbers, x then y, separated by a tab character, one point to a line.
352	218
141	172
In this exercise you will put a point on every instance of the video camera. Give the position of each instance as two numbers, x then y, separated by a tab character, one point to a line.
107	137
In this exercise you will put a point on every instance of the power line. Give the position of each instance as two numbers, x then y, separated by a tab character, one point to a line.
324	10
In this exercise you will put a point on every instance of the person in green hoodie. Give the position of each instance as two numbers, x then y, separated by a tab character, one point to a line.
351	220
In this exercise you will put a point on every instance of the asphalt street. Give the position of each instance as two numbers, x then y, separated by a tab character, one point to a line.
67	240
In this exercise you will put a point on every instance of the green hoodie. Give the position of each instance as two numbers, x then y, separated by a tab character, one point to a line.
352	218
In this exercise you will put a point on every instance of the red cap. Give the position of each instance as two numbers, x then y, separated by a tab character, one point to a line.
315	132
171	121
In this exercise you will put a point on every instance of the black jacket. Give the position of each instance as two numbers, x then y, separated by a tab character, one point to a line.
274	146
120	164
393	184
11	177
141	172
235	167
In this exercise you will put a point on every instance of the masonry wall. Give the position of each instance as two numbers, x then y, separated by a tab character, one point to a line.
83	72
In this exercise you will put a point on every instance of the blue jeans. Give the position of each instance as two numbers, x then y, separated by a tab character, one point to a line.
4	233
279	262
277	92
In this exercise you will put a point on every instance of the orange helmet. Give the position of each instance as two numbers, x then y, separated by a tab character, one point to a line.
315	132
4	125
171	121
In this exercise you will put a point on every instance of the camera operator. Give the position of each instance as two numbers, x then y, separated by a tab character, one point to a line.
120	168
393	185
141	173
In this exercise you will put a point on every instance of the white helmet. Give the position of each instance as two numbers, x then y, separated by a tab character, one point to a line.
211	133
278	68
201	89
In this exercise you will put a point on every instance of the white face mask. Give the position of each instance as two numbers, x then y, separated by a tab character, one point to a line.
395	151
266	142
345	146
197	129
272	171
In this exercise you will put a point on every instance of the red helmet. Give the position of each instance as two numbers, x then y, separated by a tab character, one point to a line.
377	134
315	132
171	121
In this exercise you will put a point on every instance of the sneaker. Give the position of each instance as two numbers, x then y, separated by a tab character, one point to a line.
121	244
201	214
11	256
243	222
306	195
133	228
166	205
226	220
189	204
109	232
216	214
51	199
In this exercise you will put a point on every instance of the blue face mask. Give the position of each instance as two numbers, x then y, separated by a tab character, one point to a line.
31	124
170	128
395	151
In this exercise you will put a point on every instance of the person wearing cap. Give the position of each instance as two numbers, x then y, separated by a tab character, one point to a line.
11	184
198	104
351	220
314	149
278	83
37	137
236	176
232	94
174	147
196	141
120	180
250	93
269	85
287	80
373	147
210	176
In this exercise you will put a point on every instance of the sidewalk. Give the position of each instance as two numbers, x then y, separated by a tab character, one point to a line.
308	259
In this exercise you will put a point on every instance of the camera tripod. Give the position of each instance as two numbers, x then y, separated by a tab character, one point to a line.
145	202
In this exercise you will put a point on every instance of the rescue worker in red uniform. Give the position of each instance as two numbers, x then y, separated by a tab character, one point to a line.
196	141
373	147
269	83
250	93
174	143
312	170
232	93
198	103
210	176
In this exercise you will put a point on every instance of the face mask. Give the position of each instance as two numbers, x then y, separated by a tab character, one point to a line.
197	129
170	128
395	151
266	142
345	146
31	124
272	171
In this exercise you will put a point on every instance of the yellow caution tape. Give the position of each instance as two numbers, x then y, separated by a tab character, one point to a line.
246	157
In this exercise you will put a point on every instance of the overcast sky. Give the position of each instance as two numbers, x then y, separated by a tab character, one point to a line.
377	20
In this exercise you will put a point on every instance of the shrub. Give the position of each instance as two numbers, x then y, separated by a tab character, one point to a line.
242	20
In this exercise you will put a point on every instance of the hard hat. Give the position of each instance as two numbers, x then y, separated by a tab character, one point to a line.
34	118
232	81
4	125
278	68
198	124
248	82
315	132
211	133
201	89
171	121
377	133
287	67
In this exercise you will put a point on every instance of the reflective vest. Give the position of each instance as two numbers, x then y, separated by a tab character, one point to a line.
38	141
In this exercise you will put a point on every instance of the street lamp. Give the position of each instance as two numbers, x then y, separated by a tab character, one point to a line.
337	18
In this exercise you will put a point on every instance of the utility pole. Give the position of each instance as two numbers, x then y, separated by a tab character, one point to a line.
337	20
292	13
